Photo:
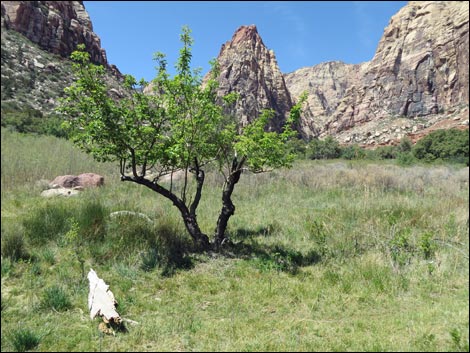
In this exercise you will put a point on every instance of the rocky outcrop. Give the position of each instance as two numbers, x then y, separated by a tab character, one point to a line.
70	185
326	85
250	69
36	36
56	26
419	73
84	180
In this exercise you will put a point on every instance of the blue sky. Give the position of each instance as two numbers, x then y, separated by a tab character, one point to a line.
301	33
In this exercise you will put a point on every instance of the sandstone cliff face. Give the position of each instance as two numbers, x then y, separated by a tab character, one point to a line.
326	85
419	73
56	26
37	38
250	69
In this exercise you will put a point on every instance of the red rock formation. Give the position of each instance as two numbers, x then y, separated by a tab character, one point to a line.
250	69
56	26
84	180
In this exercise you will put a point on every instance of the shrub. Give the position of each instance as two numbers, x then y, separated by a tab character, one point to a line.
405	144
30	120
56	298
353	152
427	245
449	144
47	223
297	146
13	247
387	152
24	340
323	149
401	249
405	158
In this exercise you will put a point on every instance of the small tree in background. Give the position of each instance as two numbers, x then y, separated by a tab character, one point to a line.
179	128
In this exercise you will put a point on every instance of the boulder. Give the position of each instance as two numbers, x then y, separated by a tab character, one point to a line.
60	192
84	180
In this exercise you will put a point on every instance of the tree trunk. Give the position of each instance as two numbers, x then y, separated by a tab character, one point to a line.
228	208
201	240
189	218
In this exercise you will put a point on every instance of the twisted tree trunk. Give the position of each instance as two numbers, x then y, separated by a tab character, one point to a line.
228	208
188	214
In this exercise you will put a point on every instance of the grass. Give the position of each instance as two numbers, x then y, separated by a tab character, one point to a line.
327	256
24	340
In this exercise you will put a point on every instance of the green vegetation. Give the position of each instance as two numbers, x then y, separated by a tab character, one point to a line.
179	128
342	255
24	340
443	144
450	145
327	256
29	120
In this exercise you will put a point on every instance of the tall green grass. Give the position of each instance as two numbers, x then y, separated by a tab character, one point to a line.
327	256
27	159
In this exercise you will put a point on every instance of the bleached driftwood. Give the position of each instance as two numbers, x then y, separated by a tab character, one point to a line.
101	300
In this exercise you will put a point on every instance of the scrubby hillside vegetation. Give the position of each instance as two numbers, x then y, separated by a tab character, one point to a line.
330	255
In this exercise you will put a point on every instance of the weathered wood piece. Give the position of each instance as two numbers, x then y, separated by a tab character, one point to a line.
101	300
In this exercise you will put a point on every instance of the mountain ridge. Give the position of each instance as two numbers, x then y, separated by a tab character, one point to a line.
417	79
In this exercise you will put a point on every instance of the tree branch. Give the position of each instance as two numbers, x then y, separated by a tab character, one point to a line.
200	182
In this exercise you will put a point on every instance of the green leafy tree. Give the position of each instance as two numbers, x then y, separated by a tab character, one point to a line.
451	144
324	149
178	128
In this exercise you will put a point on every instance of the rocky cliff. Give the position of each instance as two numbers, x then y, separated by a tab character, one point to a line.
37	39
250	69
56	26
326	85
418	77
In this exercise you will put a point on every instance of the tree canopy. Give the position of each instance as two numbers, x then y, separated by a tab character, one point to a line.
180	127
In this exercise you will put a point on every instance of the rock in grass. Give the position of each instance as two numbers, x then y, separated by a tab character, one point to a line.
60	192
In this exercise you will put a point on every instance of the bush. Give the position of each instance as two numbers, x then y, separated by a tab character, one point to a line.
56	298
405	145
13	247
353	152
297	146
24	340
323	149
449	145
30	120
405	158
387	152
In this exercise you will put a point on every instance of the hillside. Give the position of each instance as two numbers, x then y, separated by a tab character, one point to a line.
37	39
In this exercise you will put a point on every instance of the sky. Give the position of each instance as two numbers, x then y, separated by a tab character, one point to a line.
301	33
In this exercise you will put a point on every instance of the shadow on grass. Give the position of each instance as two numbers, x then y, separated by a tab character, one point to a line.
246	233
270	257
172	253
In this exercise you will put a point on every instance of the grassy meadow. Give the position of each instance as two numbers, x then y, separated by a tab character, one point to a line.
327	256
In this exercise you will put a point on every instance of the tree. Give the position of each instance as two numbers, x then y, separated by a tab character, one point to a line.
324	149
178	128
451	144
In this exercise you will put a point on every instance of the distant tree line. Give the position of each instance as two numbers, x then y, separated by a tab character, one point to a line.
30	120
451	145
